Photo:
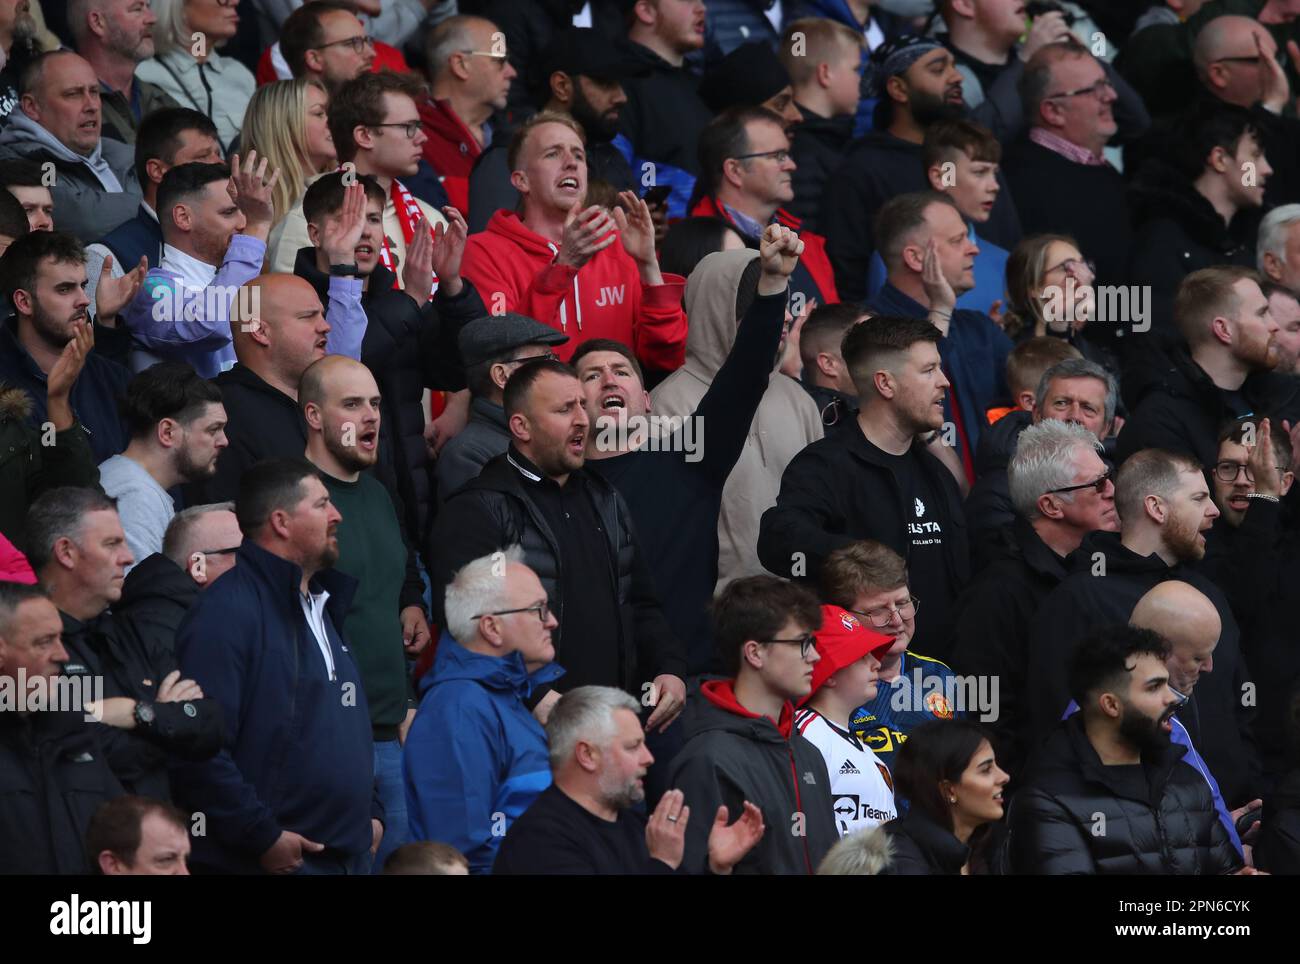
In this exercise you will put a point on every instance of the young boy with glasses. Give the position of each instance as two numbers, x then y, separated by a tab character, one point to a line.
741	741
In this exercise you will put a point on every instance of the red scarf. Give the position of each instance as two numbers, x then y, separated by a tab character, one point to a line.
408	216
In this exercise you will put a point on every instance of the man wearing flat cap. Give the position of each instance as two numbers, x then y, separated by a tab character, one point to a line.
491	349
581	74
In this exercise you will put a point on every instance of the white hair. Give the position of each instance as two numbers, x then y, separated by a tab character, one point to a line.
478	587
1272	233
584	715
1044	461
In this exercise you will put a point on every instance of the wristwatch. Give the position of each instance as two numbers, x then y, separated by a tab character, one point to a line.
1262	495
144	714
345	270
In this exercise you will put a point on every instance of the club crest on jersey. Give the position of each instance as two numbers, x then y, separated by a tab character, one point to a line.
848	622
937	704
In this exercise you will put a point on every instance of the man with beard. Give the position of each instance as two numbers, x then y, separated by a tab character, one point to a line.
215	220
1224	373
585	821
877	479
1107	793
178	429
470	77
43	276
114	36
340	404
1164	506
324	40
582	75
292	788
578	537
149	711
18	43
917	83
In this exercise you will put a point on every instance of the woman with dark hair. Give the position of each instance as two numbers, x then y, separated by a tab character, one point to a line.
690	241
947	773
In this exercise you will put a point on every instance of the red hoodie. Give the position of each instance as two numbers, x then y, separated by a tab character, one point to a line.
451	150
514	269
722	694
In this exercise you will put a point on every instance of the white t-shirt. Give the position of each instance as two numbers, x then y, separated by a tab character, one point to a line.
861	786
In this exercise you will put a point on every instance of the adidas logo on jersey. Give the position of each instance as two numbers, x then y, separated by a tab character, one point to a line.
848	767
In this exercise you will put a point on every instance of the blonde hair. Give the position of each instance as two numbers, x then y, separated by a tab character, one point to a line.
275	125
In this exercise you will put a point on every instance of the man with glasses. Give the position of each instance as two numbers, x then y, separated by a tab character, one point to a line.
741	742
340	401
325	40
376	127
491	349
869	581
1225	372
1059	176
470	76
475	757
1061	490
745	179
1165	511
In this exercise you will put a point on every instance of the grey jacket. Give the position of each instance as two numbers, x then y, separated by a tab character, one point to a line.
81	204
484	437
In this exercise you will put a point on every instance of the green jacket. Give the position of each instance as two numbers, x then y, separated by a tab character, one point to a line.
118	121
28	468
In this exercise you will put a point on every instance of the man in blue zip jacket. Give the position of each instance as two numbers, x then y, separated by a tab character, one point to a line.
292	790
476	757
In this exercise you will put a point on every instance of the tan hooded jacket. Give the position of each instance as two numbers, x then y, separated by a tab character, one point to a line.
787	419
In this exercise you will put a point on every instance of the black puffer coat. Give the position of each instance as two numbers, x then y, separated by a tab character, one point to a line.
1055	815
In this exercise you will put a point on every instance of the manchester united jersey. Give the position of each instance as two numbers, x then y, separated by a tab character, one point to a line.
861	786
923	690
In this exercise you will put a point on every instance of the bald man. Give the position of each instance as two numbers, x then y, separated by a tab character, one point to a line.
1186	617
1236	61
278	327
339	401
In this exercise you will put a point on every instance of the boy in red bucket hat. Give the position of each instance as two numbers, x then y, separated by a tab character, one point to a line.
844	679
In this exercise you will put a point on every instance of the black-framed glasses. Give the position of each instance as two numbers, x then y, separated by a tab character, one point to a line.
1228	471
543	611
357	44
219	552
780	156
1099	484
1075	267
885	614
1092	90
410	128
1237	60
807	643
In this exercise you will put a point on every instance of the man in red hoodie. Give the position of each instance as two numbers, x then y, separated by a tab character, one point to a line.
470	78
589	272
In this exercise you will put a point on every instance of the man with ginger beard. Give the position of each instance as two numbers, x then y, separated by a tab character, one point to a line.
576	532
340	403
1164	507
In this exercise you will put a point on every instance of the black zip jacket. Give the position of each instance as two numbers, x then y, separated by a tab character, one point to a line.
155	598
133	664
922	848
497	510
1056	826
1087	600
53	777
817	145
992	634
732	756
837	491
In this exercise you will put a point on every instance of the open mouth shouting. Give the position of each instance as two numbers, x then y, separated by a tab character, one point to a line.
368	440
577	443
612	402
568	185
